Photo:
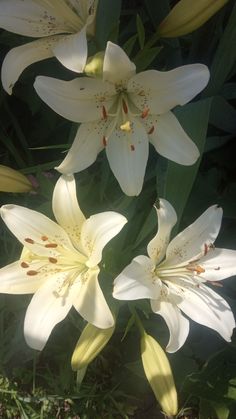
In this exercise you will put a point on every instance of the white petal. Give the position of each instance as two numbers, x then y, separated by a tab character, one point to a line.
87	144
206	307
49	305
72	51
21	57
97	231
166	220
117	67
34	230
178	325
137	281
191	242
160	91
171	141
79	100
31	19
127	153
66	208
91	304
218	264
14	279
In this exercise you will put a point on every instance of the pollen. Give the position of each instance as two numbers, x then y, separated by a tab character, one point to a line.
126	126
28	240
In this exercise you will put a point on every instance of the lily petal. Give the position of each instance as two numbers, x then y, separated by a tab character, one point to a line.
218	264
72	51
192	241
137	281
166	220
21	57
79	100
29	18
85	148
162	91
97	231
177	324
208	308
90	302
117	67
127	153
170	140
14	279
34	230
48	307
66	208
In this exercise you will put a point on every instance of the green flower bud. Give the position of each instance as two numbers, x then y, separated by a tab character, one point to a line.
13	181
94	65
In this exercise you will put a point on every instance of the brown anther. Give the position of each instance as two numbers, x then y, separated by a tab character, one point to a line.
141	93
151	130
132	148
205	249
145	113
125	107
52	260
32	273
51	245
104	112
28	240
44	238
24	265
104	141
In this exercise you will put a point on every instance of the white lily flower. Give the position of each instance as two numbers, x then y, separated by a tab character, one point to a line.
175	275
61	25
122	112
59	262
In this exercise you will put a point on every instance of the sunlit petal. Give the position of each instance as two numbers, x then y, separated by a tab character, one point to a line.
117	67
14	279
72	51
218	264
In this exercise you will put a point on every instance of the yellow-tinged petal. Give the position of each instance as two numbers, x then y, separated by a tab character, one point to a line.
13	181
187	16
91	342
158	372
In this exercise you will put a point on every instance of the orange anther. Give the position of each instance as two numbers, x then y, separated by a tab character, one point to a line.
125	107
52	260
104	112
28	240
51	245
24	265
44	238
32	273
145	113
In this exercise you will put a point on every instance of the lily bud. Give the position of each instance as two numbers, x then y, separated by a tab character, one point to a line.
94	65
158	372
187	16
13	181
92	340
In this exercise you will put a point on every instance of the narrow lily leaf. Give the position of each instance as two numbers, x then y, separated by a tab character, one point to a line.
141	31
179	179
223	115
224	58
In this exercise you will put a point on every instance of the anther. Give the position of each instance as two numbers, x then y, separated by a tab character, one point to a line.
145	113
28	240
52	260
132	148
104	141
32	273
24	265
151	130
205	249
44	238
51	245
125	107
104	113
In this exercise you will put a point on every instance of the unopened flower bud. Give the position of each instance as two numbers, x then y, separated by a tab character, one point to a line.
158	372
92	340
94	65
187	15
13	181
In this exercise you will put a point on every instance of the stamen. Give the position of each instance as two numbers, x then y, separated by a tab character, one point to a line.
28	240
125	107
145	113
132	148
44	238
32	273
104	141
51	245
52	260
104	112
24	265
205	249
197	268
126	126
141	93
151	130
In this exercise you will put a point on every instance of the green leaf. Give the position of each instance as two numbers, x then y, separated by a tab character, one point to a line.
223	115
141	31
179	179
107	22
129	45
145	57
224	58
